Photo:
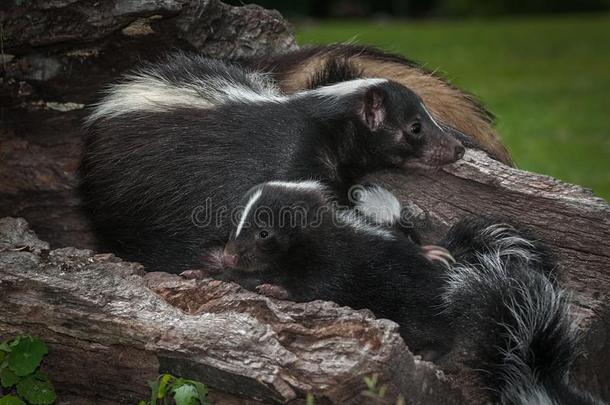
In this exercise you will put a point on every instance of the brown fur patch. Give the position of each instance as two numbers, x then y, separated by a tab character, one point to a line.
295	80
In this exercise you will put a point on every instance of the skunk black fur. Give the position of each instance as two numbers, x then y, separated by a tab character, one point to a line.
500	301
313	66
338	255
177	143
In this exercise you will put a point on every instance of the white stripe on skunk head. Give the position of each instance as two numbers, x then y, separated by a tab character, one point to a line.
431	117
244	215
377	204
308	186
150	91
343	88
376	198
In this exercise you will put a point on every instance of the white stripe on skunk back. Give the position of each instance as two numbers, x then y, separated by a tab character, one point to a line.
154	90
150	91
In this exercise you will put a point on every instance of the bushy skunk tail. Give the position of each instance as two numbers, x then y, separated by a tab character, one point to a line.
508	310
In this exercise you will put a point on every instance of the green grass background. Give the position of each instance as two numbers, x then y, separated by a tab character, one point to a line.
547	80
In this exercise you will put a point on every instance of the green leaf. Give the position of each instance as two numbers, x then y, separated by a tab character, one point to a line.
163	385
202	391
310	399
2	356
179	382
26	355
36	389
371	382
14	342
4	347
8	378
186	395
11	400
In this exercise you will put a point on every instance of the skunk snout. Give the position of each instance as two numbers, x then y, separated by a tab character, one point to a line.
456	140
439	150
442	149
229	260
449	148
445	152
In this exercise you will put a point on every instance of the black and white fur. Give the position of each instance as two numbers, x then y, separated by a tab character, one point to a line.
497	310
511	320
311	66
380	207
334	254
190	131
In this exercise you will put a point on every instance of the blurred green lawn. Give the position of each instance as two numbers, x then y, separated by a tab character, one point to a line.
547	80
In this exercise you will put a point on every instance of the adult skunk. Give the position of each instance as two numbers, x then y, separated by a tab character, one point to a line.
497	310
314	66
171	149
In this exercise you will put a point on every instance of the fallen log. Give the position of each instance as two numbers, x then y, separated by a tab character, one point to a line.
111	327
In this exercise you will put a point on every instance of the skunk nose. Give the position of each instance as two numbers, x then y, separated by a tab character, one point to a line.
458	152
229	260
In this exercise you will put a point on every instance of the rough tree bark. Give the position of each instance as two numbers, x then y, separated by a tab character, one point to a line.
102	320
110	331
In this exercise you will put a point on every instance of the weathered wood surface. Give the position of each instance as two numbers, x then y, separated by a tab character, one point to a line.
46	81
109	333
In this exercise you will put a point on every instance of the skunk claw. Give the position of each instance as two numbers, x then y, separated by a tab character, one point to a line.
194	274
438	253
273	291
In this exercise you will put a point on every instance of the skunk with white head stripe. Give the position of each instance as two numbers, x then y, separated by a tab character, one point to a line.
334	254
497	311
313	66
191	131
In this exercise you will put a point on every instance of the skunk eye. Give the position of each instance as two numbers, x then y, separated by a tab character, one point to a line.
263	234
415	128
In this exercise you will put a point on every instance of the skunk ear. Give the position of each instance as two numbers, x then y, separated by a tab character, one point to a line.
373	110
